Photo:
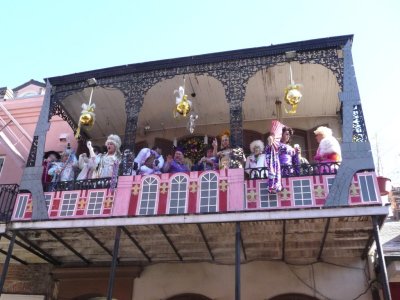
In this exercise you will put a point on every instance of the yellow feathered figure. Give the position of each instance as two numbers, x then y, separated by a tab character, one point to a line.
183	104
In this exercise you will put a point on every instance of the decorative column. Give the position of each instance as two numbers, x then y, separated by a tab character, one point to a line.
32	175
356	149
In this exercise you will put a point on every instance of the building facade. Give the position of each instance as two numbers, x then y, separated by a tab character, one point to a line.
207	234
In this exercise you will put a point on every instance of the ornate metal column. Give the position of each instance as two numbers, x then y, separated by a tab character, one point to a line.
32	175
356	149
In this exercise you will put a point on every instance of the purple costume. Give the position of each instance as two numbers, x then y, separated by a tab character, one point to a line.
284	155
176	167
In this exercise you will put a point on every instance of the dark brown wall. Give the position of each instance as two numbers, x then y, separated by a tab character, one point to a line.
31	279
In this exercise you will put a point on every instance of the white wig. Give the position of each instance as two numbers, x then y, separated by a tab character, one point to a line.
257	143
114	139
324	131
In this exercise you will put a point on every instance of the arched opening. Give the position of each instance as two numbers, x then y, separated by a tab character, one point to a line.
293	297
189	297
320	103
110	112
156	124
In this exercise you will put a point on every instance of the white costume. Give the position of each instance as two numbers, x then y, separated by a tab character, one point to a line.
108	164
253	162
329	147
143	156
329	150
63	171
87	164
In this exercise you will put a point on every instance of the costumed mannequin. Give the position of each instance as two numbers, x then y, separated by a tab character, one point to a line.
49	158
278	154
176	164
329	147
207	162
223	155
257	159
149	161
108	164
64	170
87	164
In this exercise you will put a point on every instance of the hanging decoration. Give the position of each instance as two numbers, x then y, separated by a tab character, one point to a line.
292	94
191	124
183	104
87	116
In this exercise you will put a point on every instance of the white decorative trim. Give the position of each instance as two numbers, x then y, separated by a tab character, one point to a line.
208	218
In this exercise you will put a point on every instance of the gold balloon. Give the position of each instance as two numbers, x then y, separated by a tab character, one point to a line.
293	96
86	119
183	107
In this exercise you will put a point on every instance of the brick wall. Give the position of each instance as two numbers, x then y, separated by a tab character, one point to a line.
33	279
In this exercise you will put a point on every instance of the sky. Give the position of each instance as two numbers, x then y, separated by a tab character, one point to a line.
44	38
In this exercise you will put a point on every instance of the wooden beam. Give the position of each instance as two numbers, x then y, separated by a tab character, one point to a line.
205	241
97	241
69	247
241	243
7	263
133	240
321	248
35	249
170	242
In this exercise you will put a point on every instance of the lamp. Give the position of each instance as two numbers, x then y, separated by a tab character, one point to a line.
290	54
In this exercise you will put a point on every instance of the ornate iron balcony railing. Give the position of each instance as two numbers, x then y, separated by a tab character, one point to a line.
8	194
98	183
328	168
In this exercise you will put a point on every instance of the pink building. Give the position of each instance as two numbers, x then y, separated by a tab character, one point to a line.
19	113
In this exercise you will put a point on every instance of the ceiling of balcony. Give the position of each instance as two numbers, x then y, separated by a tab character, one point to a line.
320	98
304	240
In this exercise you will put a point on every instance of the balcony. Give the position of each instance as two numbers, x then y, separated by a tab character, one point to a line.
8	195
210	192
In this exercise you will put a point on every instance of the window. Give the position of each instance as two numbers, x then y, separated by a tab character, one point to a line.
302	192
68	204
149	196
20	211
2	159
95	203
329	182
47	199
267	199
208	192
178	195
368	191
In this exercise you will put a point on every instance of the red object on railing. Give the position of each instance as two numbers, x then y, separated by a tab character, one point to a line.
384	185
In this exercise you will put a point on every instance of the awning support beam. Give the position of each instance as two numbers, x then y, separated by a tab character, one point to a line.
97	241
7	262
35	249
68	246
114	263
170	242
205	241
321	248
242	244
381	258
133	240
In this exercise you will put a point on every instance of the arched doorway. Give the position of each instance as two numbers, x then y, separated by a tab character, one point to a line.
189	297
293	297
